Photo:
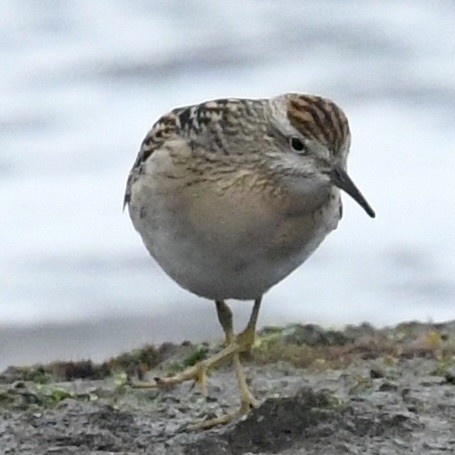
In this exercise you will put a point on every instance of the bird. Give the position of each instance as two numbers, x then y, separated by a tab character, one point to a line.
232	195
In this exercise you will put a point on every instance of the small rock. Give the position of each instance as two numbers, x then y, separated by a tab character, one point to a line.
388	387
376	373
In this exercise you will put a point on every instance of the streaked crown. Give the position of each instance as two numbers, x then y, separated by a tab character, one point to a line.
321	119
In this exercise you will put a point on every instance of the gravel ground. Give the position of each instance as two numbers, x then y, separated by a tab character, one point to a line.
359	391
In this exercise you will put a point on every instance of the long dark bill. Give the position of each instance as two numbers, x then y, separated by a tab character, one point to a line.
342	180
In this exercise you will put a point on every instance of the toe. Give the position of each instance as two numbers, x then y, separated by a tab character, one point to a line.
210	423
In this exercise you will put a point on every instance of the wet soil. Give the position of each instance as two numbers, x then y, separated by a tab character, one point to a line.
357	391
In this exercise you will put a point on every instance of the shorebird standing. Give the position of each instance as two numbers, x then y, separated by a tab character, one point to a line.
230	196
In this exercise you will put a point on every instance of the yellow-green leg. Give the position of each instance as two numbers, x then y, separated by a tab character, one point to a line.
198	373
244	340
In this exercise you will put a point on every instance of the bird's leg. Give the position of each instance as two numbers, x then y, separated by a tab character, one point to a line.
224	314
244	340
198	372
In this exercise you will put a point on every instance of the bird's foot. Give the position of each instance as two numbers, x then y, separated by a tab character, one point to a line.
196	373
248	402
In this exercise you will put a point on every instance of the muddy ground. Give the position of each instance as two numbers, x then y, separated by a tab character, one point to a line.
357	391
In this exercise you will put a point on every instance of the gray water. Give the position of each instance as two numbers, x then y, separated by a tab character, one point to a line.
82	81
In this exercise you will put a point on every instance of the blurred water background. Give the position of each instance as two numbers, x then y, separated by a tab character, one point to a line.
82	81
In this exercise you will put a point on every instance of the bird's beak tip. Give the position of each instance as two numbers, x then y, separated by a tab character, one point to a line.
341	179
372	213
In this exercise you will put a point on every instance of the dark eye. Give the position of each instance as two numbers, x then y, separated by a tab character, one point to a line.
297	144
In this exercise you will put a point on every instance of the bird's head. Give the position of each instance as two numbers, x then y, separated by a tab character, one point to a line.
313	138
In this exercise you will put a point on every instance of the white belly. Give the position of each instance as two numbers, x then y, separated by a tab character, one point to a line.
226	244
